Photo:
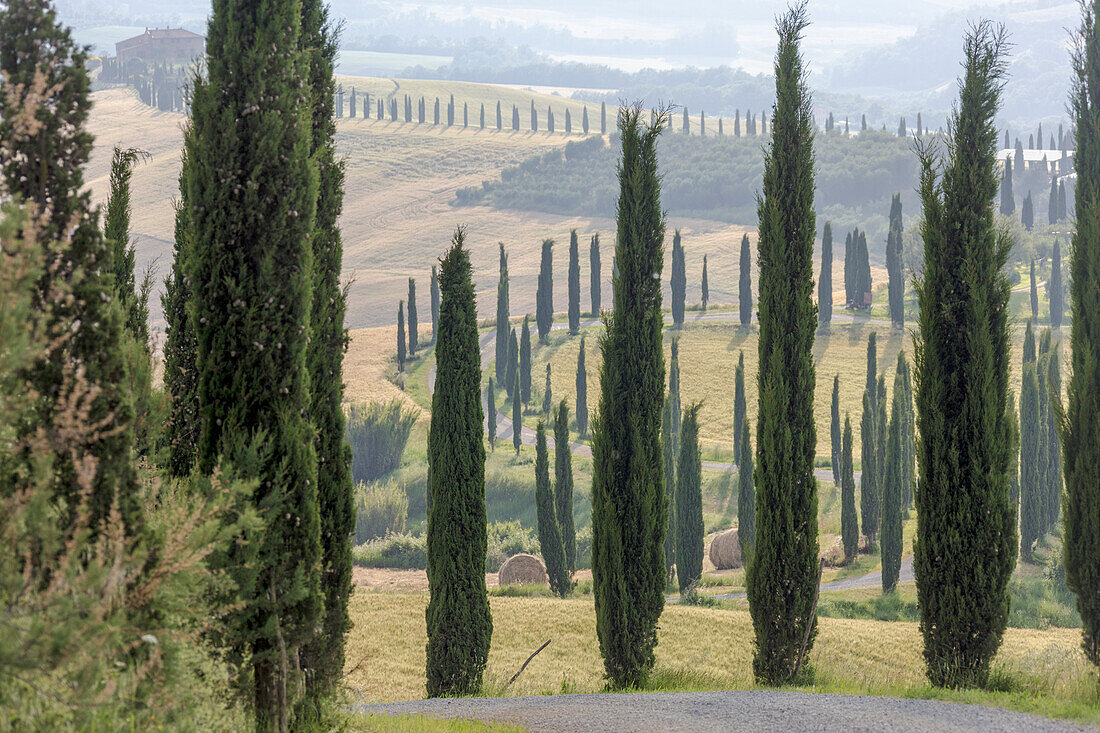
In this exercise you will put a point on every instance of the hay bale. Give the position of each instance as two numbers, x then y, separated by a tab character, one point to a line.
523	568
725	551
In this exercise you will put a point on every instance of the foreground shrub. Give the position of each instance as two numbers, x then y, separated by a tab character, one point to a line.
381	509
398	552
377	434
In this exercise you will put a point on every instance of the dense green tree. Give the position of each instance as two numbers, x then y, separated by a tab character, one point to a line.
500	119
1031	506
435	301
574	284
740	405
746	497
891	494
1052	483
582	394
678	280
515	118
584	120
1034	294
674	392
869	504
401	336
825	283
849	523
1027	213
689	503
414	323
563	486
553	552
705	287
861	291
908	436
547	395
783	575
512	378
594	273
1081	424
491	416
517	417
524	372
629	510
668	455
849	270
872	369
966	525
116	230
894	265
1042	369
744	283
1055	288
1062	212
460	624
882	429
544	295
1052	201
834	431
1008	199
1014	456
503	327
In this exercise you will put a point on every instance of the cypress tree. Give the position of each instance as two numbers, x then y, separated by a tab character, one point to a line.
739	403
1042	369
481	118
891	493
1027	213
966	525
582	395
849	523
737	123
869	508
678	281
547	395
834	431
1008	199
746	497
1030	496
434	292
603	118
534	118
544	296
515	118
414	326
500	120
863	264
1057	290
525	361
872	367
1062	213
1014	456
705	288
553	552
674	393
1080	426
629	510
896	282
584	120
574	284
401	336
783	574
849	271
460	624
491	417
825	282
908	438
863	123
882	429
512	378
503	328
1052	202
744	283
689	503
563	486
668	455
517	419
251	272
1052	484
116	230
323	657
1034	294
594	273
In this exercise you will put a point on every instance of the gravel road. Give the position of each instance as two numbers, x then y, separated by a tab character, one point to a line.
751	710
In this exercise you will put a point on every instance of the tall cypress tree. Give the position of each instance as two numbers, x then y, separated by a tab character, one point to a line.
1008	198
678	280
1030	497
1052	483
908	437
849	271
594	273
414	324
253	188
894	265
503	327
491	416
553	552
323	657
1034	294
1081	424
629	511
882	429
584	120
544	295
1052	201
460	624
891	493
582	394
668	455
849	523
401	336
1057	305
563	486
1042	372
782	577
689	503
511	372
869	508
705	287
825	283
740	405
834	431
574	284
746	497
966	525
1014	456
547	395
116	230
1027	213
863	263
524	372
517	413
435	302
744	283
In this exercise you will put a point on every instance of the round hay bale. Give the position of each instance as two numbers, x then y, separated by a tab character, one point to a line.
725	551
523	568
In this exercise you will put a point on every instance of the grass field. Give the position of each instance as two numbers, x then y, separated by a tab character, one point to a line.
701	648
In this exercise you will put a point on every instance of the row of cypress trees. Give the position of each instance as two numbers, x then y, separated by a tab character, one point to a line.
857	271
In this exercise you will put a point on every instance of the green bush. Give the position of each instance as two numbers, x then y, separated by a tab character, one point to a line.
398	551
381	509
507	539
886	607
377	434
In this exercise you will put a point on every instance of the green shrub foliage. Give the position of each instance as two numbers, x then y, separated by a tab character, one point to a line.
377	434
381	509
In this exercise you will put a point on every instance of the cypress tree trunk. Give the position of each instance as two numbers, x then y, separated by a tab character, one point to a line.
782	577
563	486
849	524
544	296
966	525
459	622
689	504
891	494
705	287
253	187
525	362
414	325
491	417
553	554
834	431
894	265
1081	423
582	395
1057	306
744	283
825	283
574	285
594	274
678	281
746	497
629	510
435	302
503	327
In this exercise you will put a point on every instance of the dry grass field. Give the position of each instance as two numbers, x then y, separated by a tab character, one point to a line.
701	648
